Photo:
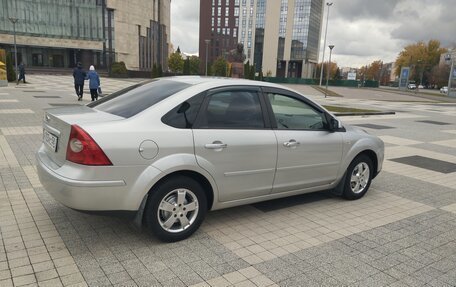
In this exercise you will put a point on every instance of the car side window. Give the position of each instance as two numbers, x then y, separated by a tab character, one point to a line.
236	109
291	113
184	115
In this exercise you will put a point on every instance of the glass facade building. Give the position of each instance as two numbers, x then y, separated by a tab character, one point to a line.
280	37
58	18
60	33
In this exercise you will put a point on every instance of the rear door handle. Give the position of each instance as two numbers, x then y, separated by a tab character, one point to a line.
291	143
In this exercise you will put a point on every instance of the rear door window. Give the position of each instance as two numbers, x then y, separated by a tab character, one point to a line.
135	99
232	109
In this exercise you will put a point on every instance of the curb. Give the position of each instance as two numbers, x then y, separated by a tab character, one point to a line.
363	114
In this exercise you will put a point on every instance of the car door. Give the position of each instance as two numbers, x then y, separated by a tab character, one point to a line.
309	155
235	144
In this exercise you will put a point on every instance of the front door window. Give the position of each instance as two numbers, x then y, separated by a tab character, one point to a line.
293	114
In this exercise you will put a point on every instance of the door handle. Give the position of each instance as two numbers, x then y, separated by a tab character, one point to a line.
215	145
291	143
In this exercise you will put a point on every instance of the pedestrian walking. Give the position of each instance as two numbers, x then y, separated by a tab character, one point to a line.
79	76
21	73
94	82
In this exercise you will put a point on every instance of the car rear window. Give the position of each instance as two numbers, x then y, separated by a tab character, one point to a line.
135	99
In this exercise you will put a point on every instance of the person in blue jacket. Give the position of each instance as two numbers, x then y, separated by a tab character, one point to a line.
94	82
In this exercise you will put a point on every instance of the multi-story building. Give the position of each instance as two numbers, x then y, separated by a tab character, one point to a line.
60	33
280	37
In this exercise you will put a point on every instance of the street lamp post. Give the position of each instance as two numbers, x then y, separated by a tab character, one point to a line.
207	48
450	78
14	21
324	43
329	67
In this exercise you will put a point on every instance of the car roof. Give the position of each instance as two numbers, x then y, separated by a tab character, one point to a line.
220	81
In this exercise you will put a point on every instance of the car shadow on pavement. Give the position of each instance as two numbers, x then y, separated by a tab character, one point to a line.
276	204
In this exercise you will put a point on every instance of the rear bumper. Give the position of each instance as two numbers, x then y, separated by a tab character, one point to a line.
84	195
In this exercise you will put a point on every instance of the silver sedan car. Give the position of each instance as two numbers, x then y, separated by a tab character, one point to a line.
168	150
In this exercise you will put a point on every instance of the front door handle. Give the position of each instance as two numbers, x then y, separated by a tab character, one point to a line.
291	143
216	145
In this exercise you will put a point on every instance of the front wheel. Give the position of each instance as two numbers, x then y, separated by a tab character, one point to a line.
359	177
175	208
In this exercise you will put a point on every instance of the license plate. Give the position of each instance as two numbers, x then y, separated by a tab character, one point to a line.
50	140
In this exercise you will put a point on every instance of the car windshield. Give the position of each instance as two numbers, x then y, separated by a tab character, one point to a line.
134	99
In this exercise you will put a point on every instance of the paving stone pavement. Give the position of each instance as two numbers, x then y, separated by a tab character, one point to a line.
402	233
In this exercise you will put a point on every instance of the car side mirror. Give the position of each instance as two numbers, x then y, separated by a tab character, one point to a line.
334	124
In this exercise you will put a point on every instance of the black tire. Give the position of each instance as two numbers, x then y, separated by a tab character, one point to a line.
165	196
356	189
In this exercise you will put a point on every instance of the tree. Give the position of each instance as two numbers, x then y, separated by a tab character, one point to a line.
10	73
176	63
178	50
194	65
338	75
421	58
186	67
247	70
219	67
439	76
252	72
332	70
371	71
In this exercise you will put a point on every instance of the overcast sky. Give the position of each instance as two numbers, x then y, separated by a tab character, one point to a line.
361	30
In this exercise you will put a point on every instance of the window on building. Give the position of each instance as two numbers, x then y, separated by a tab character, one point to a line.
226	21
236	11
228	31
219	21
234	32
219	11
227	11
236	22
236	2
213	11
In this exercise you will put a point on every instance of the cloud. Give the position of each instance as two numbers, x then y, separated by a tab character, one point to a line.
363	9
361	30
185	25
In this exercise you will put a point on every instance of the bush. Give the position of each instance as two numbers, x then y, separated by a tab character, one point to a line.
118	69
10	73
155	71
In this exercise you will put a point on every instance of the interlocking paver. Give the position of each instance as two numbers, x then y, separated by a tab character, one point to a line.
402	233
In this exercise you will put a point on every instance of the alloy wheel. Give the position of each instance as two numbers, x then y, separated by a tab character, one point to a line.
178	210
359	177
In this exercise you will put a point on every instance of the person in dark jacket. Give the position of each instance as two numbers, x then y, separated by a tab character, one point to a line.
79	76
94	82
21	73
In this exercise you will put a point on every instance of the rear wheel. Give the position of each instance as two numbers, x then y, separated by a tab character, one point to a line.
359	177
175	208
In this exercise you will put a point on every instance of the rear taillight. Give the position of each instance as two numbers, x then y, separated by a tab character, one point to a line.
82	149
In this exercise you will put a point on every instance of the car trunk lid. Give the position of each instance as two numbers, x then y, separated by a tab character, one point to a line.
57	127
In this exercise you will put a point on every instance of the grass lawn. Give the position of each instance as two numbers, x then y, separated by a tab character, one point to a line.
337	109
